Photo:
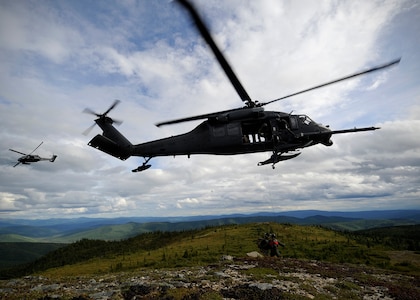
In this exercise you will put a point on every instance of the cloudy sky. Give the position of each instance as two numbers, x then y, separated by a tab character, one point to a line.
59	57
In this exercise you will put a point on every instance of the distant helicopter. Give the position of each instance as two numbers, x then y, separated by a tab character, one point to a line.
27	159
244	130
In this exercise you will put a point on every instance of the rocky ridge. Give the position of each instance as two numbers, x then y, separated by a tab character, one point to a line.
240	278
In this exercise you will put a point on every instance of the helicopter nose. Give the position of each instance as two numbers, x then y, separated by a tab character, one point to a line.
327	140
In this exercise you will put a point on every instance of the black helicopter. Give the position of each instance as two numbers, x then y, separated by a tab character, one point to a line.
27	159
243	130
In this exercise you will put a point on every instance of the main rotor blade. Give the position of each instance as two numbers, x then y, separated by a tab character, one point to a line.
198	117
17	152
222	116
377	68
222	60
36	148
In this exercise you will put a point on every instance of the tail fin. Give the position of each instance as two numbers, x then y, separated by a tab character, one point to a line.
111	141
53	158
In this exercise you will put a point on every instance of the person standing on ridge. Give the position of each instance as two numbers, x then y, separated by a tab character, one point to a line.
274	245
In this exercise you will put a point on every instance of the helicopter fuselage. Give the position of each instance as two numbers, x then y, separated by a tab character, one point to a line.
270	131
274	130
27	159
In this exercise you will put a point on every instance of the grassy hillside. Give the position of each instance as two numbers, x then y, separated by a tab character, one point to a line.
206	246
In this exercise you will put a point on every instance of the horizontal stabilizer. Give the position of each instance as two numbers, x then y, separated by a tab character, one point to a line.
110	147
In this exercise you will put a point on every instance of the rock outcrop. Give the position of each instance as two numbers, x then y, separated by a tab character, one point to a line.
245	278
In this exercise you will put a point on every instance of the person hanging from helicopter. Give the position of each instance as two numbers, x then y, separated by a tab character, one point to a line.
283	124
275	131
264	132
285	133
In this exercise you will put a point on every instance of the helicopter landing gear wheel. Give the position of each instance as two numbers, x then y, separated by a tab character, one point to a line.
143	167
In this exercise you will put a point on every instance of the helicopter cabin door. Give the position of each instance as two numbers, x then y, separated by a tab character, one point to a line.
226	134
257	132
294	123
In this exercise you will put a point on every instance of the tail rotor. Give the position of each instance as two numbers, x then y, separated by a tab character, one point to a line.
102	117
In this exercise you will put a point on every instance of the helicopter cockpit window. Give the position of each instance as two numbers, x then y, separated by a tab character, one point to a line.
305	119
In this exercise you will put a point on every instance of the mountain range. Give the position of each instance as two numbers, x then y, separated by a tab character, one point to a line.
70	230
